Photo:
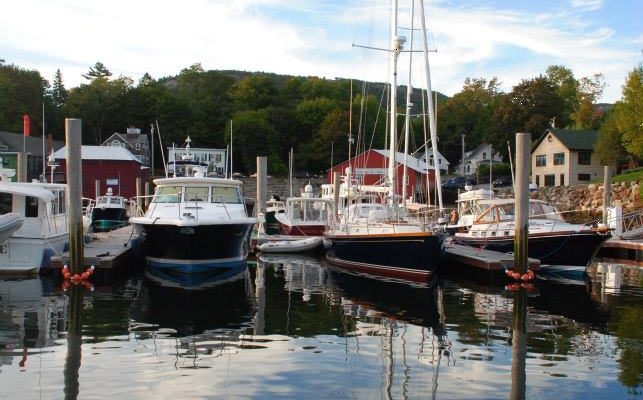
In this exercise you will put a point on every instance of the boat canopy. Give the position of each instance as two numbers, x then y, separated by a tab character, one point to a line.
188	180
26	189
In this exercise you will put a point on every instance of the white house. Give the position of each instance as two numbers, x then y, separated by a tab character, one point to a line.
214	158
443	164
475	158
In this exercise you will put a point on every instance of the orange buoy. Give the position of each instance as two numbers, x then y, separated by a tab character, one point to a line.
516	276
84	276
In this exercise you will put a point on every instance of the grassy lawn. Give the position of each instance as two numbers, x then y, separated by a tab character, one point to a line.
636	175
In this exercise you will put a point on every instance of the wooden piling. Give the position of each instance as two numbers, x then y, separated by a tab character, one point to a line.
147	193
21	170
73	139
262	184
336	185
523	156
97	188
74	342
607	191
139	205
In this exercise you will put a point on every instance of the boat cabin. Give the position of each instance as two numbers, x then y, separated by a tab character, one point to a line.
500	210
309	210
42	206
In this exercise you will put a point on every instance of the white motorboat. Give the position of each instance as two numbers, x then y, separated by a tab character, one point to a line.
306	215
195	224
44	230
461	219
109	212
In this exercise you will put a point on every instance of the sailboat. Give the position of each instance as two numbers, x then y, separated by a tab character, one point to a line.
377	238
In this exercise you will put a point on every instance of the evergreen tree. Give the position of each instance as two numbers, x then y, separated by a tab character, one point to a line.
58	92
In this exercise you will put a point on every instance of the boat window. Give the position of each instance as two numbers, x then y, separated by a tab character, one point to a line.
192	193
6	203
114	200
225	194
551	212
31	207
507	212
62	202
536	211
167	194
487	217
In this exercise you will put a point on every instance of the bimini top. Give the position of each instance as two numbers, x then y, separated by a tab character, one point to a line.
190	180
26	189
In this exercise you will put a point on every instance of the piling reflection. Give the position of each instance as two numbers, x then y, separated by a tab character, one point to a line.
519	345
74	341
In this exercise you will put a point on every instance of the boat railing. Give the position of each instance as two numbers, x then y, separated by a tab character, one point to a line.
136	203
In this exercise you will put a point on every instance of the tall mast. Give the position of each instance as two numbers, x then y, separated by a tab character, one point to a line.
432	124
407	118
398	42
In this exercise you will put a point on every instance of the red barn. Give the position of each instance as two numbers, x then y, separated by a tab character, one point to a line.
115	167
371	167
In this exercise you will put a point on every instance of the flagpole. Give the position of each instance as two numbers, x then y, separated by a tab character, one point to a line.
44	155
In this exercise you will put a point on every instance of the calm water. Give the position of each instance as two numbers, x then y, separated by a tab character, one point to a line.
290	327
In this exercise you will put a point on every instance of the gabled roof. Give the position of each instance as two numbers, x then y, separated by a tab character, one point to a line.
412	162
100	153
13	142
420	156
110	140
573	140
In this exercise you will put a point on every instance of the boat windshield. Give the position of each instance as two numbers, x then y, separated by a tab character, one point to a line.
192	193
544	211
309	211
225	194
507	212
6	203
167	194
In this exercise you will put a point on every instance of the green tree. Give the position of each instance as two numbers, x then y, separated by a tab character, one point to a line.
529	107
333	131
629	113
58	92
254	92
21	92
97	71
252	134
609	145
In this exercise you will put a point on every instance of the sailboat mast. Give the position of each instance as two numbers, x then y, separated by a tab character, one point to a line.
432	124
397	46
407	118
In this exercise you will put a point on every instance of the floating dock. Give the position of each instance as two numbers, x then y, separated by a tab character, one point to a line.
483	259
107	249
625	251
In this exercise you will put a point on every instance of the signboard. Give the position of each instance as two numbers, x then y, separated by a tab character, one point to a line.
371	171
112	182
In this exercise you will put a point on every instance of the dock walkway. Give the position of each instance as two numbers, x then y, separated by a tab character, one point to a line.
484	259
107	249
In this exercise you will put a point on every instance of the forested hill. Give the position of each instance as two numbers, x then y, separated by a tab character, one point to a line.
270	113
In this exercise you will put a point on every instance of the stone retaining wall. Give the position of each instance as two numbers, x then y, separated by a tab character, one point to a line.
589	198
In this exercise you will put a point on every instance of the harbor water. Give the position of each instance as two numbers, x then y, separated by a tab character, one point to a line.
291	327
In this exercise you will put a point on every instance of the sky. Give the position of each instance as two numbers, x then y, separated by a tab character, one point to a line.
508	39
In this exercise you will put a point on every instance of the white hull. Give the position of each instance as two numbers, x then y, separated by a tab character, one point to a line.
19	254
291	246
9	223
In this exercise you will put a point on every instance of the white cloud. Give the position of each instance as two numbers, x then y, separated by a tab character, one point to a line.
305	38
589	5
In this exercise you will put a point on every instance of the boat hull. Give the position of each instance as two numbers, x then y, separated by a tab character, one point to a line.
412	257
564	250
301	230
108	219
24	254
196	248
272	226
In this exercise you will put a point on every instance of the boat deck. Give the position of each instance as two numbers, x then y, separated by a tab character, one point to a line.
484	259
107	249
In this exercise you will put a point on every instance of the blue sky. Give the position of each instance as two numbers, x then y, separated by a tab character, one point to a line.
512	40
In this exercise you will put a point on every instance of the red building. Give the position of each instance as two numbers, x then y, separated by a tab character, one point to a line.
115	167
371	167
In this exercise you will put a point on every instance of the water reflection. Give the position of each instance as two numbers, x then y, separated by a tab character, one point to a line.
293	327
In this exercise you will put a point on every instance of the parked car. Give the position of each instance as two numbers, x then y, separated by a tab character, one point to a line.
457	182
502	181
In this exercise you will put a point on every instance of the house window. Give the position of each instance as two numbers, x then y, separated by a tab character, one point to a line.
584	158
550	180
484	155
217	158
538	180
138	146
439	161
562	179
584	177
116	143
559	158
541	160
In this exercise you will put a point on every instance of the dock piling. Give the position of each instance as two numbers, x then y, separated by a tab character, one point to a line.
139	206
97	188
523	156
21	170
262	183
607	189
147	193
73	139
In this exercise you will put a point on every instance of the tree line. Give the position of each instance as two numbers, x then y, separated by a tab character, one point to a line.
268	114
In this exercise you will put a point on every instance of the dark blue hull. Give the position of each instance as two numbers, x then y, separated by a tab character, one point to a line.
196	248
555	249
413	257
